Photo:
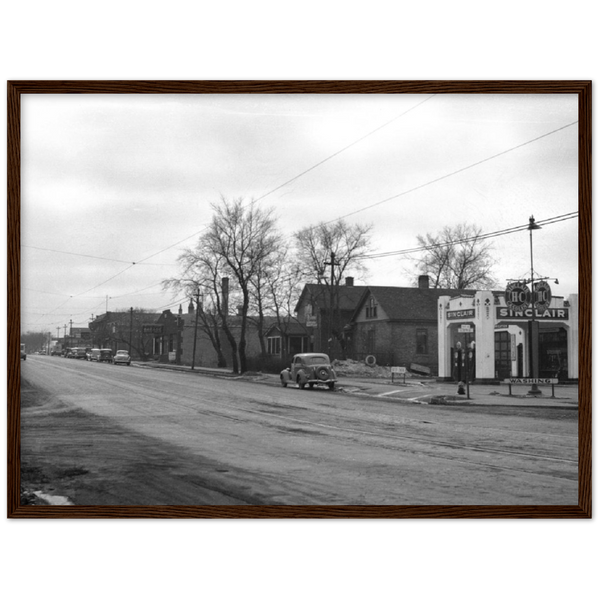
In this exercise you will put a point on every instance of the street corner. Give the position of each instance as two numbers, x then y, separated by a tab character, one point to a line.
447	399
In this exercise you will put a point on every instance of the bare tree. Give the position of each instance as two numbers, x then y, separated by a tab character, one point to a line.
201	277
245	237
274	292
315	246
237	245
457	258
327	252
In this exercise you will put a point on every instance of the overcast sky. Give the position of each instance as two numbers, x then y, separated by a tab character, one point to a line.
112	180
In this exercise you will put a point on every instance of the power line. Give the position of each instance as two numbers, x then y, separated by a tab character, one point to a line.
474	238
343	149
447	175
92	256
133	263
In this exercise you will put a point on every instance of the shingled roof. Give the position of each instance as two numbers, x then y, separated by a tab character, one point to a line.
402	303
349	295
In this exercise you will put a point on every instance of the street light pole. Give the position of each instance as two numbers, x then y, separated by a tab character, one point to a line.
533	333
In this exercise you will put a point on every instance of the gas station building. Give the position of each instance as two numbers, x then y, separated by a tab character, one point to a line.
479	329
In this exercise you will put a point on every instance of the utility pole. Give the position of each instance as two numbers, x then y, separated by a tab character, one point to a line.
333	264
130	327
196	327
533	325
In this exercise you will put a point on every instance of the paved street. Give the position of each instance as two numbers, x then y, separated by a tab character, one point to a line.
102	434
419	391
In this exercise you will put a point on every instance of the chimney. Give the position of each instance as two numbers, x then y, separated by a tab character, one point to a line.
240	308
423	282
225	295
349	281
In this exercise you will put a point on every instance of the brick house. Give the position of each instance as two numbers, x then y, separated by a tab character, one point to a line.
146	335
205	353
398	326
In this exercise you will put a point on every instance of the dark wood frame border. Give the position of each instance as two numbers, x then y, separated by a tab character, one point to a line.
584	91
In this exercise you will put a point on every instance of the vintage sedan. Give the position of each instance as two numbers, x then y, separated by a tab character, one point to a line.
122	357
101	355
311	369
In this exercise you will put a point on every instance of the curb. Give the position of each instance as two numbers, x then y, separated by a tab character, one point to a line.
273	381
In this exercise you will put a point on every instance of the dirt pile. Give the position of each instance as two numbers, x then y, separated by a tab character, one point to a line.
354	368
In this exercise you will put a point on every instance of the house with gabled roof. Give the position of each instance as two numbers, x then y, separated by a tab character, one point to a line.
397	326
324	312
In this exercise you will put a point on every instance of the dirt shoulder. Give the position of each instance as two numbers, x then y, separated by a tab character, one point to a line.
70	455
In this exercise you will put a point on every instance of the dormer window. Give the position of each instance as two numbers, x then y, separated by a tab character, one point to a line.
371	309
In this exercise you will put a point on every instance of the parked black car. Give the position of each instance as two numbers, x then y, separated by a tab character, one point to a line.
311	369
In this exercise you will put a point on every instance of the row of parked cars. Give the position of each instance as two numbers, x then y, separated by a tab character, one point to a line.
100	355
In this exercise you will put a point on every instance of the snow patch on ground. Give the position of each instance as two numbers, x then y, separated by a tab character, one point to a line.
355	368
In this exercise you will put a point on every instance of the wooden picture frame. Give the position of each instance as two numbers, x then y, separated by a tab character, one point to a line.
15	89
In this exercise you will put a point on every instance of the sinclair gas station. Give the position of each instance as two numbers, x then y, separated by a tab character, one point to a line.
485	338
523	333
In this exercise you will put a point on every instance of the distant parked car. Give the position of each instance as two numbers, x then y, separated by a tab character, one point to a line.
122	357
23	352
77	353
309	368
101	355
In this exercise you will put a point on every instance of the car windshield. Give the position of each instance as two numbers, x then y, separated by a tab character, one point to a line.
105	351
121	351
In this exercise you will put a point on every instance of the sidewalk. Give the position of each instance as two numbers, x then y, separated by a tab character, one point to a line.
413	391
433	392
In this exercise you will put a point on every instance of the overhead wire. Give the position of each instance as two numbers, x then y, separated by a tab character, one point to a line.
343	149
268	193
451	174
447	175
482	236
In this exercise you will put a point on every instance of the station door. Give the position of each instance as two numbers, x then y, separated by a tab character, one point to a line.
502	365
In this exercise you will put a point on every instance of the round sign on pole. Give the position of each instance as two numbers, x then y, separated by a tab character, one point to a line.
542	295
517	296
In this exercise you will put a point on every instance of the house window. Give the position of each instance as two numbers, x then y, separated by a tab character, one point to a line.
274	345
371	309
422	342
370	341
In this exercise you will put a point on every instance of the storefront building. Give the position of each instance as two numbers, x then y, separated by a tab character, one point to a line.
479	337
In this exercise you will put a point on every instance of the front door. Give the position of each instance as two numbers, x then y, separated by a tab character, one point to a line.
502	354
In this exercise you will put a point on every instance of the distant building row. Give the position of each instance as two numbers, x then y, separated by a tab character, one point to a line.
419	328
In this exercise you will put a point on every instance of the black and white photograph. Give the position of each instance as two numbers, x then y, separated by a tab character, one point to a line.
299	300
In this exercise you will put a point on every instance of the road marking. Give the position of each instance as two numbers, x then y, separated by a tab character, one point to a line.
415	399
